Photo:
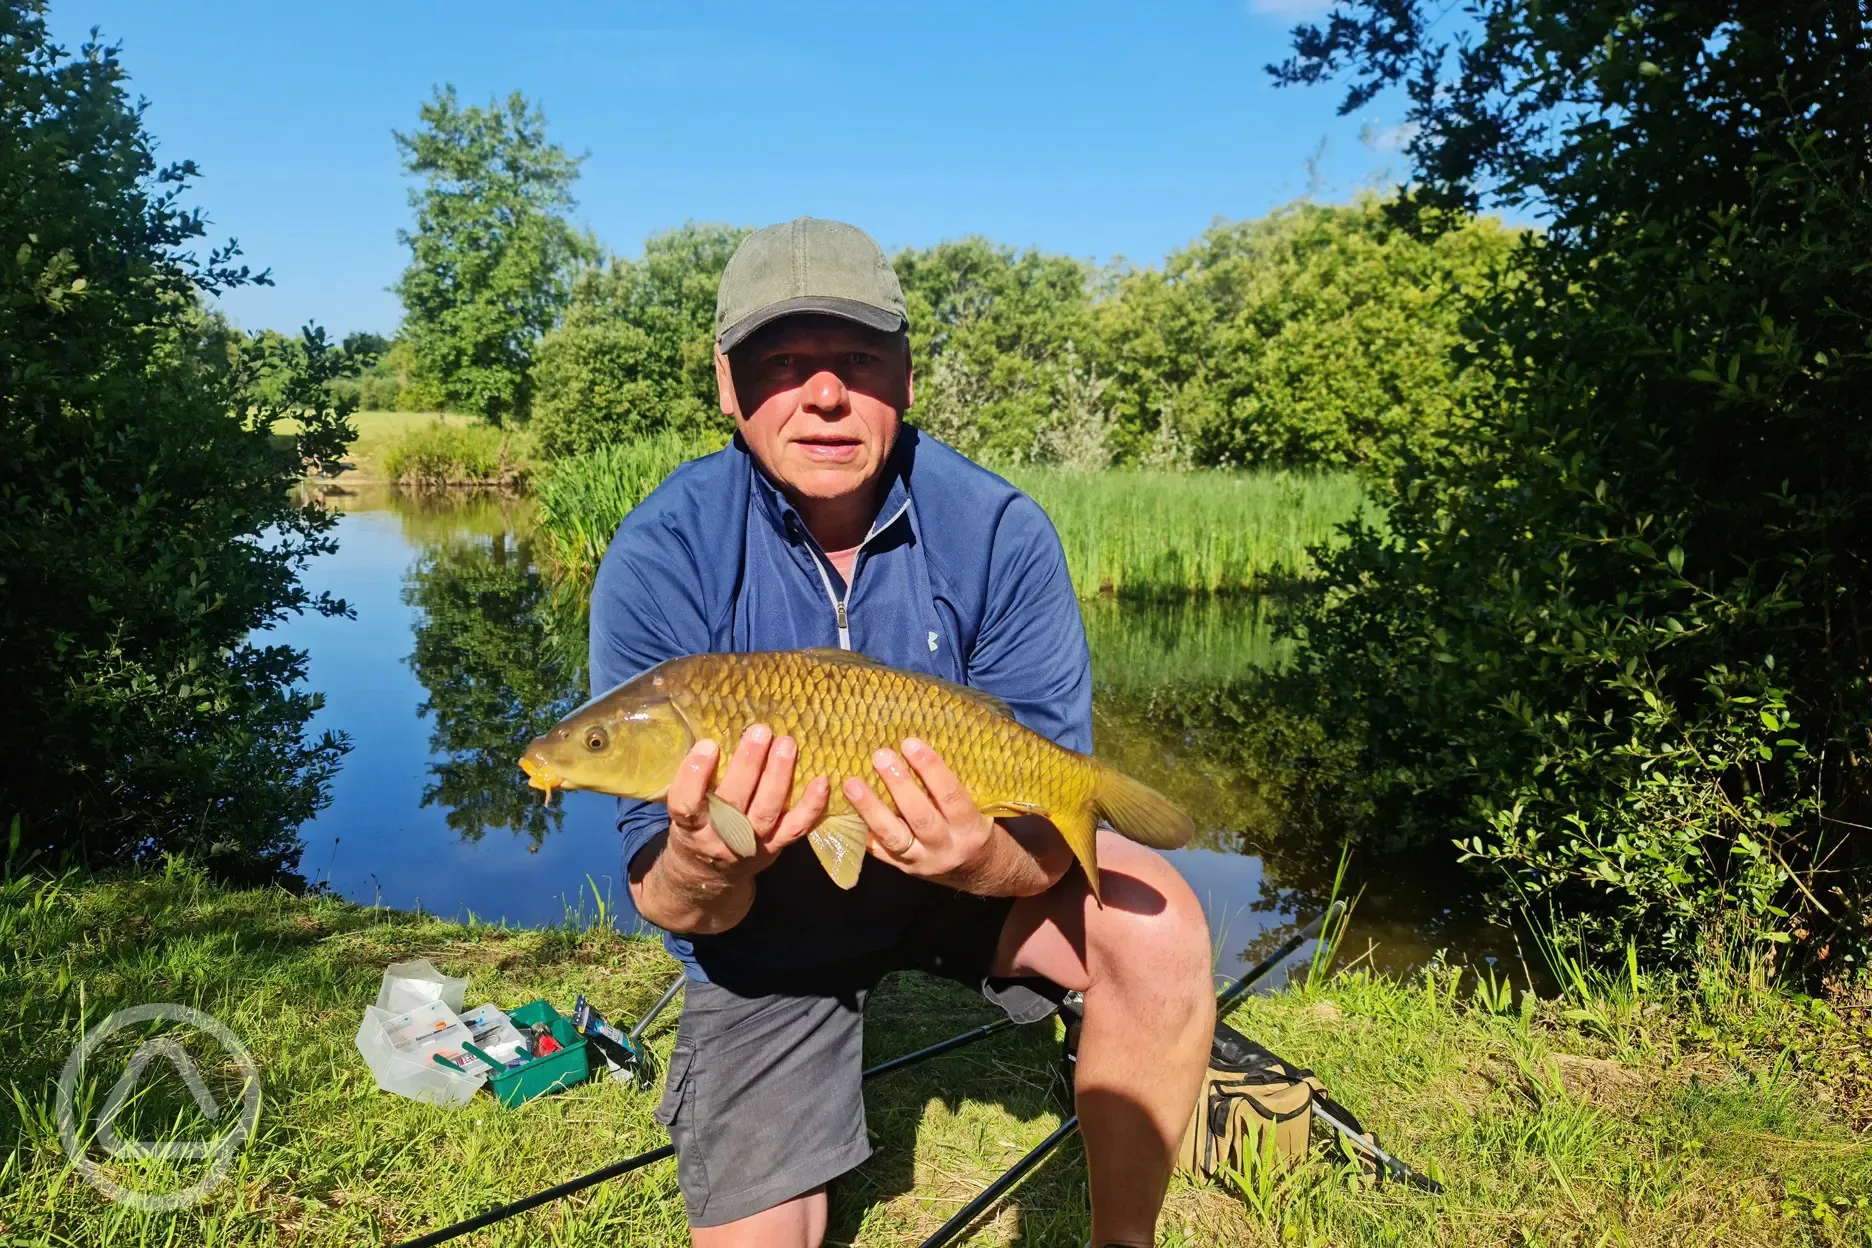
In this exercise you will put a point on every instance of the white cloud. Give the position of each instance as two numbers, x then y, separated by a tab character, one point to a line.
1396	138
1291	8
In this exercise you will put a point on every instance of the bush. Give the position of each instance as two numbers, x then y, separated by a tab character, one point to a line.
634	357
150	536
1619	650
442	454
1319	336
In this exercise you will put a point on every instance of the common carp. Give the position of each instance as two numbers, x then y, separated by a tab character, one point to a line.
840	707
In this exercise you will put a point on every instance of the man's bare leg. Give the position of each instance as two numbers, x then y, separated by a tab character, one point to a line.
1143	962
798	1223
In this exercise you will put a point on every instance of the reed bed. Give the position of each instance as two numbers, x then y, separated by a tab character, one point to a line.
1127	533
1135	533
582	499
442	454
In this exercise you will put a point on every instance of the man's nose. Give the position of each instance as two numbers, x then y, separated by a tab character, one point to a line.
824	391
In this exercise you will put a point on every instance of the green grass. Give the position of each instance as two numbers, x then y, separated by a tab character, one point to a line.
1627	1114
1126	533
445	453
582	499
1173	534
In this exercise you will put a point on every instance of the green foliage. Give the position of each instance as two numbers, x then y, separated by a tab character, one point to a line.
1320	336
309	382
492	254
1620	650
1140	533
634	357
443	453
150	538
994	334
582	500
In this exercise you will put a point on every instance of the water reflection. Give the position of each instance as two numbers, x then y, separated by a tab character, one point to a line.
462	650
498	670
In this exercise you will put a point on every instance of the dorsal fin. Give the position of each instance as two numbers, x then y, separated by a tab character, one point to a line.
832	654
852	658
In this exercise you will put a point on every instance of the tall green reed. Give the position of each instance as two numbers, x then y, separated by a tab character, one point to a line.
1136	533
582	499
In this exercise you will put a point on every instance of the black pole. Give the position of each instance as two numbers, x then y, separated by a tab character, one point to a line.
993	1192
969	1212
551	1194
669	994
1280	955
617	1168
936	1050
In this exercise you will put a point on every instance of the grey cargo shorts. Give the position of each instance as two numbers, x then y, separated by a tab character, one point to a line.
763	1098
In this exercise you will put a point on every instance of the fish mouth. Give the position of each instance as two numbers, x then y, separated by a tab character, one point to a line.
540	775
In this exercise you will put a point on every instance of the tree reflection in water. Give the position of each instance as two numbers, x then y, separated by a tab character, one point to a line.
501	658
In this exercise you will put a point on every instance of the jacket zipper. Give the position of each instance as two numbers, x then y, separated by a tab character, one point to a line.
839	611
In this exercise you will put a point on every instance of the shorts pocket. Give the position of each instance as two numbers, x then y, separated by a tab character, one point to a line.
676	1083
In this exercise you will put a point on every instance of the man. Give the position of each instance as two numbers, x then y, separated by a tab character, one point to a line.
828	522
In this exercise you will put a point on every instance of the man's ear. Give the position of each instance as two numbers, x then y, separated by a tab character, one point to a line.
724	385
909	375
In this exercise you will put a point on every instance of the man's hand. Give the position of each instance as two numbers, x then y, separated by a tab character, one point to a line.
695	883
937	831
757	781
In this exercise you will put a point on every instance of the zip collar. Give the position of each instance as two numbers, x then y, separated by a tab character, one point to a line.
792	526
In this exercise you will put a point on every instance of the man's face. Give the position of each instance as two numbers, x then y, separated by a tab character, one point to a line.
818	401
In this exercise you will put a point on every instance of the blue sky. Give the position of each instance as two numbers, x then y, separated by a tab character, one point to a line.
1095	129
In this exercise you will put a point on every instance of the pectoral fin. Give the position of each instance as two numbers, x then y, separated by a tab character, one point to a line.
839	841
732	826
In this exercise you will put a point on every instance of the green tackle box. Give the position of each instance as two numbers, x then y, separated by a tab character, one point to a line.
564	1069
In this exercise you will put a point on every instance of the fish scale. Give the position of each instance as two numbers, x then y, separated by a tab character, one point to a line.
840	708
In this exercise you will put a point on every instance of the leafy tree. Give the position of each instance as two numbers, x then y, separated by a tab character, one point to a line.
1620	650
150	534
310	382
1320	336
492	254
635	354
995	335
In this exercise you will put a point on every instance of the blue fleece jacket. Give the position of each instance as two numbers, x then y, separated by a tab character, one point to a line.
962	576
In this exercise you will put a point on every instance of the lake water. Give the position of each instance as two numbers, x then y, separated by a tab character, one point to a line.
461	650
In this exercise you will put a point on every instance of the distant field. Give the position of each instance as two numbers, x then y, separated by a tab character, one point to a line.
377	433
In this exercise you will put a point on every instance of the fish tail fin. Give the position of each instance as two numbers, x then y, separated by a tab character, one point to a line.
1139	811
1079	828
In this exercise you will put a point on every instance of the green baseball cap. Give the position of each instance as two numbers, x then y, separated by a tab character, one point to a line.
807	265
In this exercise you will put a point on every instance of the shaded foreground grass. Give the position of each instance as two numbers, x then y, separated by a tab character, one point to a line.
1636	1116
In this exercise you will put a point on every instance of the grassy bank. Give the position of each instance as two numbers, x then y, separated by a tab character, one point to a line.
1630	1114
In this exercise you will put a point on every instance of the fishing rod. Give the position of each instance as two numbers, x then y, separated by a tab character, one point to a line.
1001	1185
1391	1165
654	1155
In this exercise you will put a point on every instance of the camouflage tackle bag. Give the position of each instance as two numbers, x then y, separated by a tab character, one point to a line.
1248	1093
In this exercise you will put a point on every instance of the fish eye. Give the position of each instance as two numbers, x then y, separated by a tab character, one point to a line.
595	739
